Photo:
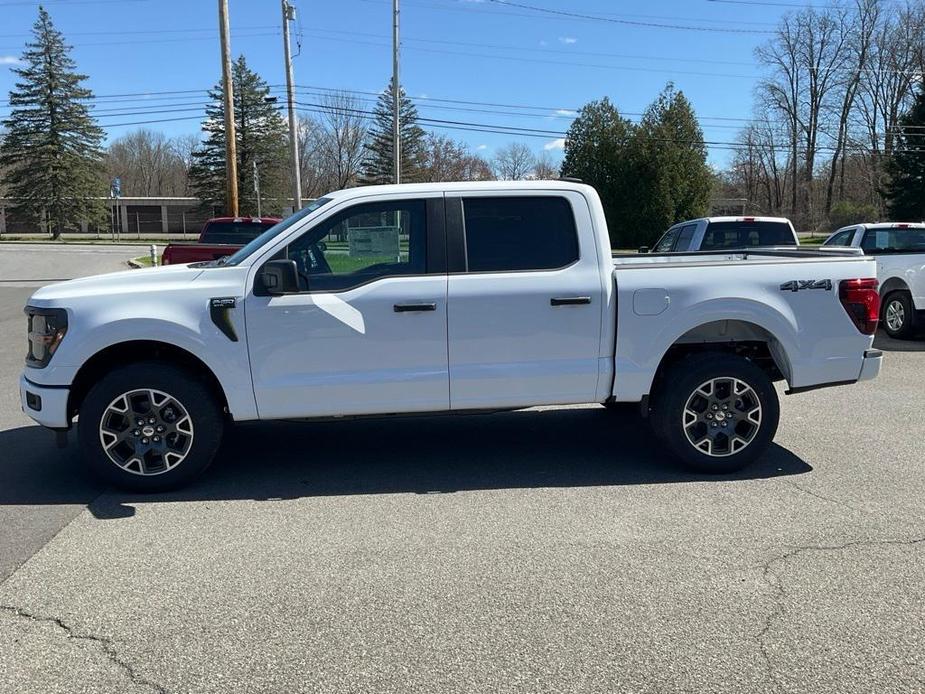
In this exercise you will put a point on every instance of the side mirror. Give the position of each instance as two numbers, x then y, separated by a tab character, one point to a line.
279	277
643	249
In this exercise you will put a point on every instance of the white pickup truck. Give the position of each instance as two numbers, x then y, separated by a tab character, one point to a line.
453	297
899	249
726	233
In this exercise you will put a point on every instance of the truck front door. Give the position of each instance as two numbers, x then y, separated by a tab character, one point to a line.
366	332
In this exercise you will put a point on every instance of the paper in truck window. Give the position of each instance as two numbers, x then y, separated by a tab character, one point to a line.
376	242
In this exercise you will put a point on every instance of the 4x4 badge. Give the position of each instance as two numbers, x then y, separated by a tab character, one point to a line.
800	285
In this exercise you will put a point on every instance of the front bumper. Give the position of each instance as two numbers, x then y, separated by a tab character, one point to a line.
870	367
47	405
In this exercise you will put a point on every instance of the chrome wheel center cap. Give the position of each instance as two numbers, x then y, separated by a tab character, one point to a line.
720	416
148	431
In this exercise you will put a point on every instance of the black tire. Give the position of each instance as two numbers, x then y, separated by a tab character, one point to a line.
681	385
897	311
191	419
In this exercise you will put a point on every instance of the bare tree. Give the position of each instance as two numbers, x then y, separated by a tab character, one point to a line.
147	164
513	162
448	160
545	168
344	131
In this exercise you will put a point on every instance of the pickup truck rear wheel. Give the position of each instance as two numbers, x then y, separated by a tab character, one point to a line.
149	427
897	315
717	412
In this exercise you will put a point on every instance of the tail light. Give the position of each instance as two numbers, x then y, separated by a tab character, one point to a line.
862	303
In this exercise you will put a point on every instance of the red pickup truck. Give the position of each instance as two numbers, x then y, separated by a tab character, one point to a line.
219	237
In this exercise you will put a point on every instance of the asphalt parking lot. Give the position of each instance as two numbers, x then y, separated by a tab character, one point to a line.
553	550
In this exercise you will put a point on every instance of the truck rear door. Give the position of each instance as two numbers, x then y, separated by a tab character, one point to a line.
524	299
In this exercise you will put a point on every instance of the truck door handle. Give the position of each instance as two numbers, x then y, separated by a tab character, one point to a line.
407	308
569	300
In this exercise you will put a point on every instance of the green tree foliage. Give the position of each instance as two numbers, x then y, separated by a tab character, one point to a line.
597	150
260	136
378	166
650	175
51	156
905	192
671	165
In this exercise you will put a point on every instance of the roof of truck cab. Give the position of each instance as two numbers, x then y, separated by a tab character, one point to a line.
888	225
738	218
463	186
239	220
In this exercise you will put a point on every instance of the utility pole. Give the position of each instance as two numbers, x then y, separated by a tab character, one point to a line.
396	91
288	16
231	154
257	187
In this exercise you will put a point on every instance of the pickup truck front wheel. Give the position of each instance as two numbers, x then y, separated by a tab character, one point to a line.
149	427
717	412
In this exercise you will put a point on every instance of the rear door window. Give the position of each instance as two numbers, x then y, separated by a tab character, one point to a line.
744	234
666	243
519	233
684	238
842	238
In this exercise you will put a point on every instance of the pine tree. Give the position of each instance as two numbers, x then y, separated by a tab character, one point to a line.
260	136
905	192
597	151
670	157
378	165
51	157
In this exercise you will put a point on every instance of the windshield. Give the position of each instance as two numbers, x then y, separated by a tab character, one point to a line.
271	233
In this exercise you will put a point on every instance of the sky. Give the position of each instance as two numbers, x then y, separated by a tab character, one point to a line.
470	65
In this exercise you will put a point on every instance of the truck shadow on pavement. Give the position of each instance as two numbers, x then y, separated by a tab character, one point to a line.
888	344
574	447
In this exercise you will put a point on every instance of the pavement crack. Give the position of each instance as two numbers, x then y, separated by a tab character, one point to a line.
773	579
105	644
822	497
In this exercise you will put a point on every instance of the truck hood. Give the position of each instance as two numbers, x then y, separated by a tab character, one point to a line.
141	281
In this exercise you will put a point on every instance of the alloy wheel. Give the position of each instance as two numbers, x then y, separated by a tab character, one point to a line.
722	416
146	432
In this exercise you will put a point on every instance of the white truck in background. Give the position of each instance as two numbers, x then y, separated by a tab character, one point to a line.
726	233
449	297
899	250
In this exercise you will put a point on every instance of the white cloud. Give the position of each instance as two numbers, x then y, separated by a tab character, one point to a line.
565	112
482	147
423	96
568	40
9	60
558	143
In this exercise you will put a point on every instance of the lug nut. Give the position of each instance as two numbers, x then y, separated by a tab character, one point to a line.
724	423
160	427
157	439
140	422
709	416
714	406
144	441
136	433
151	420
714	423
725	406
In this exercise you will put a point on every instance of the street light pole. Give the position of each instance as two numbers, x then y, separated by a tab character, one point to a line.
396	91
231	154
288	14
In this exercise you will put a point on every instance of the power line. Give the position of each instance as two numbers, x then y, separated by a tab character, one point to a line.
627	22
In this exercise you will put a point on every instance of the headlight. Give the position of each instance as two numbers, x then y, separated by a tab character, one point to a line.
47	327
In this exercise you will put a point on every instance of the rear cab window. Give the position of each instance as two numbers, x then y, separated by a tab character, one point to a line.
234	232
506	234
666	243
746	234
898	239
